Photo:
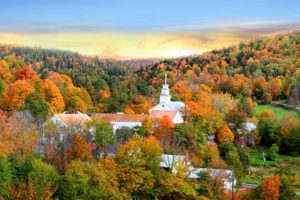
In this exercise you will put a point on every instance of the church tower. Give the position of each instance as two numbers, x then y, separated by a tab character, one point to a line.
165	93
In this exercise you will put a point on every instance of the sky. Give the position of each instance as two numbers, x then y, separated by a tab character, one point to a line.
129	29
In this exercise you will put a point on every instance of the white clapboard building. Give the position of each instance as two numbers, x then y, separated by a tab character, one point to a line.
170	163
173	109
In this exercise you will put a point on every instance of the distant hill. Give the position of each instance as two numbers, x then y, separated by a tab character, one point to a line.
270	56
263	69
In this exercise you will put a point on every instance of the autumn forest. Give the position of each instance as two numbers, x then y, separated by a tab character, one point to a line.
224	91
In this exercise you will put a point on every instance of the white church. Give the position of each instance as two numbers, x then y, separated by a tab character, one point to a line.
173	109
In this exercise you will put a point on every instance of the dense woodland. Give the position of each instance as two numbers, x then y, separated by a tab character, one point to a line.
220	88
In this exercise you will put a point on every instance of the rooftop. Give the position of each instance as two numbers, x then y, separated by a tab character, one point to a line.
161	113
74	119
108	117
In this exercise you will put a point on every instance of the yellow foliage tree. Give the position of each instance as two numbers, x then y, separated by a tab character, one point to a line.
51	94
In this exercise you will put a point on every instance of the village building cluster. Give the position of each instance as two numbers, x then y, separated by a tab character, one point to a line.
166	107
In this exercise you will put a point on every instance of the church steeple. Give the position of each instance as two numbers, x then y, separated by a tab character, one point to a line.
165	92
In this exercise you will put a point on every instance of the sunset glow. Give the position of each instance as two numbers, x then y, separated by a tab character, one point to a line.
134	29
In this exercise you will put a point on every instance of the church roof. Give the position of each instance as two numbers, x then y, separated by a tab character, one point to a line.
179	105
108	117
161	113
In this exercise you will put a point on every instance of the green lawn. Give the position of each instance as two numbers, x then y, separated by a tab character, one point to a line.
279	112
256	159
252	180
265	168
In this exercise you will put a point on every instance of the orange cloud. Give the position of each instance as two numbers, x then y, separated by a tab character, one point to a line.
127	45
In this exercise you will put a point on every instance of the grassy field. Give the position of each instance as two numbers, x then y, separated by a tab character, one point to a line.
256	159
279	112
264	168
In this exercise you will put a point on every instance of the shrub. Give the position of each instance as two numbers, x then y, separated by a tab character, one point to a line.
272	153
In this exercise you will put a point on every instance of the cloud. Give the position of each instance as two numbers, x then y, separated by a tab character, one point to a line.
116	44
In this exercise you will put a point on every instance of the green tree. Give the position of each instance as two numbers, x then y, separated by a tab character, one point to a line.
175	187
210	186
103	135
5	176
38	108
291	144
244	156
233	160
188	136
287	188
147	127
139	160
268	130
209	123
1	88
42	176
76	181
272	152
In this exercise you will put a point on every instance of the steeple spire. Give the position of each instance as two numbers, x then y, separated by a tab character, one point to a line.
165	78
165	92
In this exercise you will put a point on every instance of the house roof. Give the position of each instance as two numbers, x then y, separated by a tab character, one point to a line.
179	105
108	117
249	126
161	113
77	119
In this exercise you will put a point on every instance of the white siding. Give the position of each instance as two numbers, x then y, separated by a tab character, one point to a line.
119	125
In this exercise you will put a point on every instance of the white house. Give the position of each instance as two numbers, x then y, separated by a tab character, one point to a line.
76	121
245	133
121	120
169	161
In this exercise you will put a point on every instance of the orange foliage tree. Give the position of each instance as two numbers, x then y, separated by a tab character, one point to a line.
276	87
52	96
140	104
182	89
270	188
15	95
200	102
80	149
198	98
17	135
267	114
288	122
164	131
224	135
62	81
103	94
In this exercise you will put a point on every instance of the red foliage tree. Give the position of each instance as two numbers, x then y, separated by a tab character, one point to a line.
26	73
164	131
